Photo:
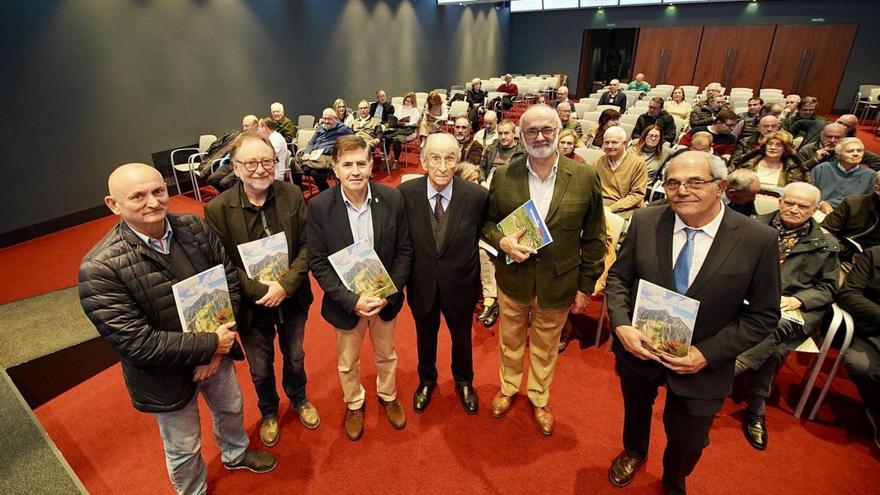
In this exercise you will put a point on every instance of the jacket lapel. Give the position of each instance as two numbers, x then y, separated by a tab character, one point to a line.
377	208
563	176
725	241
341	214
663	239
521	175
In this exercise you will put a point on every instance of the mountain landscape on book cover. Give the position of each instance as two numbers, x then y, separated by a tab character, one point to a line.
668	333
266	258
209	311
270	267
361	270
526	217
203	301
666	317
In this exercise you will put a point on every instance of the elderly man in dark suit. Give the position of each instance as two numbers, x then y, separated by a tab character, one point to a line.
356	210
699	248
537	288
260	206
445	216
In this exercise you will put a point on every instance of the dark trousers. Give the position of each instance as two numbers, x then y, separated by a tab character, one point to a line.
223	178
319	176
765	358
259	345
687	422
427	329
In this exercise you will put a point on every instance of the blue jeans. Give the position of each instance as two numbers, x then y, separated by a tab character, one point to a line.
259	345
181	432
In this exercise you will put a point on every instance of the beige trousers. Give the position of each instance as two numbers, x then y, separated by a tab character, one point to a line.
349	360
513	331
487	275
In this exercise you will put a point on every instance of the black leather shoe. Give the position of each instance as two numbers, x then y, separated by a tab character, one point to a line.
468	397
422	397
755	430
623	469
491	315
484	313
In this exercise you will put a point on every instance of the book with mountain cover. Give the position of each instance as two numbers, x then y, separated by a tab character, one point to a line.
666	317
361	270
266	258
536	234
203	302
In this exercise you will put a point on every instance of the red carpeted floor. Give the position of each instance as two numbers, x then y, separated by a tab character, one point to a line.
115	449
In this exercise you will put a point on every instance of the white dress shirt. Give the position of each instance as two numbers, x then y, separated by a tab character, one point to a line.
702	242
282	153
542	191
445	196
360	220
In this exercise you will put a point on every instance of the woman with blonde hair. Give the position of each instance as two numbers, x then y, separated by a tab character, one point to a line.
776	161
433	116
343	114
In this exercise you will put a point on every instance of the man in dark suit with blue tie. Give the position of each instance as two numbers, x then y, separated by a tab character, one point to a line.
445	215
729	263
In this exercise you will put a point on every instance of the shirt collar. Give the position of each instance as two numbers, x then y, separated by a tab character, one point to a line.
161	245
711	228
246	203
552	171
446	193
351	205
845	171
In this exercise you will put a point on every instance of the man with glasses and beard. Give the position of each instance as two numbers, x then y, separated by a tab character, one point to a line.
538	288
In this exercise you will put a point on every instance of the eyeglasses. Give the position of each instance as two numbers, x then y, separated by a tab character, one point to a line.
436	160
547	132
692	184
251	165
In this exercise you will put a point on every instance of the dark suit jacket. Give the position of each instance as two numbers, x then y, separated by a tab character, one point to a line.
742	264
387	110
576	220
329	232
224	214
454	270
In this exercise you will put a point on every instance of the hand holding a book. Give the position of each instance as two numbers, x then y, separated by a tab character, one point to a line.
789	303
511	246
636	342
225	337
692	363
206	371
369	306
274	296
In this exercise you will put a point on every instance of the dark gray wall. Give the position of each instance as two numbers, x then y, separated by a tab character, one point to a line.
551	41
88	84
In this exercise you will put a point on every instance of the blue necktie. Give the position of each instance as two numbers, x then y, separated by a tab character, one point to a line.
682	271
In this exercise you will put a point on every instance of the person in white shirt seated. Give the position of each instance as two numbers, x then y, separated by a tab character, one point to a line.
489	133
269	128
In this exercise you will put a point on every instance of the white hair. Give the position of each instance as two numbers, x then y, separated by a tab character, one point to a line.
436	140
838	149
616	131
717	167
276	106
806	188
741	178
559	90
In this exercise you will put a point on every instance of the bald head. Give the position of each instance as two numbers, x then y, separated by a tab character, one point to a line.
121	179
768	124
138	194
849	121
536	112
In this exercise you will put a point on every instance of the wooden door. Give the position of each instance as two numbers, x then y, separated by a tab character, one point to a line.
667	55
735	56
809	60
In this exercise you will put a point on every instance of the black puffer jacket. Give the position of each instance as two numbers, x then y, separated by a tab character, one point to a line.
125	290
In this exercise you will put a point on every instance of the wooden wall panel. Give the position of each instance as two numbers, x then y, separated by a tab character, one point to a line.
667	55
735	56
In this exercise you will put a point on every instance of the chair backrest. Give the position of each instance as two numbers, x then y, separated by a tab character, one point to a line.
637	110
602	108
457	108
874	94
766	204
629	118
586	125
590	155
594	116
397	101
494	94
303	136
642	103
205	141
580	108
627	127
305	122
614	224
441	91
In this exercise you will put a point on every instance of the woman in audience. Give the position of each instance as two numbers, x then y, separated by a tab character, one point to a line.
407	123
678	106
650	148
567	141
435	114
343	114
596	135
776	161
469	172
476	98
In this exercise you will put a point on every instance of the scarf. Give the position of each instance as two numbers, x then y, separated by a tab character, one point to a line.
788	239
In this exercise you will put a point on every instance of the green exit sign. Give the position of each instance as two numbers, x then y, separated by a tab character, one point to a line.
611	25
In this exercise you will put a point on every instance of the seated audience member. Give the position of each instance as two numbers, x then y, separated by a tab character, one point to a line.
723	140
791	106
568	140
614	96
489	133
851	122
285	126
223	177
678	106
857	218
748	120
476	99
823	150
279	145
381	109
365	126
403	127
742	187
650	149
766	126
343	114
509	87
659	117
705	115
503	151
812	129
860	297
608	118
564	110
469	172
470	150
562	96
843	176
324	139
639	84
433	116
774	109
540	99
623	176
776	161
806	110
809	270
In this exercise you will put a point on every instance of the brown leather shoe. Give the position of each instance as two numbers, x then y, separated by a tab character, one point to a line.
543	420
623	469
501	404
394	411
354	423
269	430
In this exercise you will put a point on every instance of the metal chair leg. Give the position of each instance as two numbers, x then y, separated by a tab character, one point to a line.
601	319
836	319
847	340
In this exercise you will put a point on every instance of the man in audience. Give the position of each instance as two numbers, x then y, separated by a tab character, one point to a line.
823	150
700	141
564	110
324	140
705	114
538	288
812	129
223	177
748	120
843	176
723	140
851	122
284	125
810	269
274	304
279	145
488	134
561	96
381	109
743	185
639	84
366	126
469	150
358	210
445	215
656	116
614	96
857	217
690	247
713	90
125	290
791	106
860	297
509	87
623	176
503	151
806	110
766	126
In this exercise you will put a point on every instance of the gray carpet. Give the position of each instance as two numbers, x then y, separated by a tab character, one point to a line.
41	325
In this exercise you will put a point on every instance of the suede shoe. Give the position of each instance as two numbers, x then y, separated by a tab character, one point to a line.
623	469
422	397
755	429
354	423
255	461
308	415
269	430
468	397
395	412
543	420
501	404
